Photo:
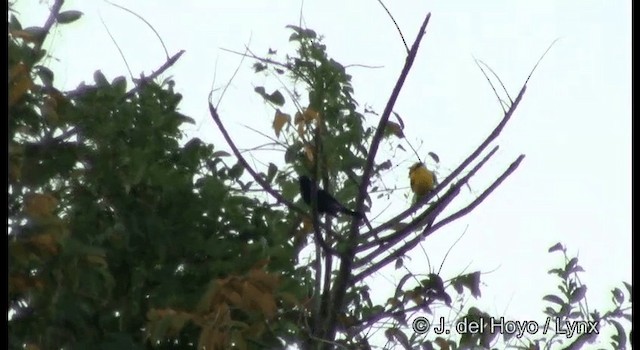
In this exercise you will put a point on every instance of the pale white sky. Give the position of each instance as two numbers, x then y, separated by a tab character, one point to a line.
574	124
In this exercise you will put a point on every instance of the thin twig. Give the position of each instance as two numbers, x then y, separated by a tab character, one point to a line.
497	77
274	141
480	198
502	103
265	185
261	59
166	52
395	24
216	118
233	76
362	66
117	46
450	249
144	80
430	214
539	60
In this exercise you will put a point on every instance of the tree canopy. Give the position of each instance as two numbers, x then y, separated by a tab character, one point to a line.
125	233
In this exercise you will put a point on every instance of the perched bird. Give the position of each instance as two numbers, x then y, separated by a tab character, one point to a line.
422	179
326	203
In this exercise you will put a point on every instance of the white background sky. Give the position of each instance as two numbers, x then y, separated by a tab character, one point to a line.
574	124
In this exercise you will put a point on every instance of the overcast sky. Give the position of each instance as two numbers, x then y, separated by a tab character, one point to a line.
574	124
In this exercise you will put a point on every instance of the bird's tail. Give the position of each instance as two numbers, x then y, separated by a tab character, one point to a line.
358	215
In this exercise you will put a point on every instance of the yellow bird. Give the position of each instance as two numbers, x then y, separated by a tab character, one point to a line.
422	179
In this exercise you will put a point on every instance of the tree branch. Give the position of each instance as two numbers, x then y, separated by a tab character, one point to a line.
48	24
429	230
275	194
243	162
492	136
344	273
401	234
481	198
145	80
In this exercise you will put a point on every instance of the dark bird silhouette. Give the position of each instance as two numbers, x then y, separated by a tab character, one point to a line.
326	203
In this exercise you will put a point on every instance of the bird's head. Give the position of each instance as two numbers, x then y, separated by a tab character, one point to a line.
415	167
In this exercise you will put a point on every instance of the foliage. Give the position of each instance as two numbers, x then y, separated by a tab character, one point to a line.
330	140
121	236
569	323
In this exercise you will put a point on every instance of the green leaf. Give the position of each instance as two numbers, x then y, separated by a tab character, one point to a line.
400	121
259	67
558	272
236	170
628	286
37	33
619	338
120	84
68	16
46	75
291	154
276	97
14	24
471	281
100	79
578	294
271	173
554	299
184	119
618	296
385	165
219	154
290	189
399	263
556	247
550	312
294	28
393	128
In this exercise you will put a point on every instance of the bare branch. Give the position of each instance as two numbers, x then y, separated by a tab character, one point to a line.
265	185
243	162
492	136
402	234
429	230
145	80
478	62
492	86
377	138
540	60
344	273
446	200
480	198
257	58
